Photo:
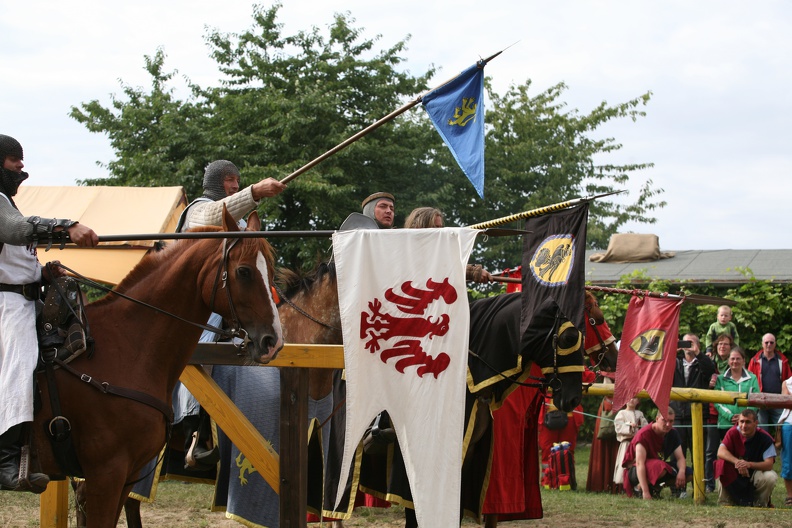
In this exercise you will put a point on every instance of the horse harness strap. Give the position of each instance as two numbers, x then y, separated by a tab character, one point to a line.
222	276
59	429
599	337
131	394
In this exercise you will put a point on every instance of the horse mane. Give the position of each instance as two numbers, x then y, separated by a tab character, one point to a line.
296	282
153	259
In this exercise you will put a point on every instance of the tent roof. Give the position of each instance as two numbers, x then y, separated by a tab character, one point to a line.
108	211
699	266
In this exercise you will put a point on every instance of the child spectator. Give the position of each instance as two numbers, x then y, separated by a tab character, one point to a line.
722	326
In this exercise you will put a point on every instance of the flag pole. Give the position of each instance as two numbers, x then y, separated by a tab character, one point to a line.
693	298
539	212
376	125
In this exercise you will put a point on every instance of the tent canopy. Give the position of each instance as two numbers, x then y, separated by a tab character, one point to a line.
108	211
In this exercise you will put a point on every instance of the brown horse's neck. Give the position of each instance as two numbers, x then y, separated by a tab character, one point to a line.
138	330
320	302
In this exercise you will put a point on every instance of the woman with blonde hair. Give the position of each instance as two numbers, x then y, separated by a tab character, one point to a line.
431	217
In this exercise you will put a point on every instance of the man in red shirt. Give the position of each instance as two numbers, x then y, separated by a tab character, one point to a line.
744	468
644	462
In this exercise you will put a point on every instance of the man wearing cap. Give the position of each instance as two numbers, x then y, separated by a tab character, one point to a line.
381	208
221	186
20	288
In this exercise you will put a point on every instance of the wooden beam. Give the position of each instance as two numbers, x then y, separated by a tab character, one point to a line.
293	447
313	356
54	505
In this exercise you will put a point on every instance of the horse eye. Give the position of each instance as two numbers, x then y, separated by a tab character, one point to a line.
243	272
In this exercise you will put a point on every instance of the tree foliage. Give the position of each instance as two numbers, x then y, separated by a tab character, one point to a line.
283	100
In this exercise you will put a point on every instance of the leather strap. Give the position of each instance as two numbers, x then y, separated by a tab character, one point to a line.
31	292
123	392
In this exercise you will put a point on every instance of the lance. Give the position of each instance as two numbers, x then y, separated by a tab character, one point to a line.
231	234
376	125
692	298
540	211
215	234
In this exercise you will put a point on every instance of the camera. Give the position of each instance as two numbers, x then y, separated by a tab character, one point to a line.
684	344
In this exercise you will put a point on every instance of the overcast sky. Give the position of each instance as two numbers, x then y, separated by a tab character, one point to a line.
717	127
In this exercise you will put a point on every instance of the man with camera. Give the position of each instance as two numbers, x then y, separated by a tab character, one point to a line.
693	370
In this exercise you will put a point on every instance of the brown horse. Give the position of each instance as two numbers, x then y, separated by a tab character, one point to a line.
309	314
143	351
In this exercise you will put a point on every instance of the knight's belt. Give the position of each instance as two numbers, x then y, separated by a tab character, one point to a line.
31	292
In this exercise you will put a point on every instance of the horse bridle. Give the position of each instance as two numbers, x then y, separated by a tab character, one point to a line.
236	330
592	322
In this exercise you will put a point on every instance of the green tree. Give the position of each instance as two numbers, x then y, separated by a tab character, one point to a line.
157	138
283	100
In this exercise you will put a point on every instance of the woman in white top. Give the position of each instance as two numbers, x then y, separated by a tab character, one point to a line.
628	421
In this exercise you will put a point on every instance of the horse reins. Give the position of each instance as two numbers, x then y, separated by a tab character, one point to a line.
222	274
302	312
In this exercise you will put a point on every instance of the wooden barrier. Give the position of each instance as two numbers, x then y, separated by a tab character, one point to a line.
287	473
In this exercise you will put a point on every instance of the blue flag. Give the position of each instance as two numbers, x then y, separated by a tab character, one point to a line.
457	111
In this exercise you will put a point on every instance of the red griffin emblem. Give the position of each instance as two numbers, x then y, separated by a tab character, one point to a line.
376	326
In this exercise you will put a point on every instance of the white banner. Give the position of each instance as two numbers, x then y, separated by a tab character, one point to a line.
404	313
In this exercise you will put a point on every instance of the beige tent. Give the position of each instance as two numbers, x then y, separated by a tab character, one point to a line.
108	211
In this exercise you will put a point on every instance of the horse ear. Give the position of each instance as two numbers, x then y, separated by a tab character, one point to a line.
228	221
253	222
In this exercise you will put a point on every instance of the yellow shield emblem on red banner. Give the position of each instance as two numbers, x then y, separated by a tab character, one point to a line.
649	345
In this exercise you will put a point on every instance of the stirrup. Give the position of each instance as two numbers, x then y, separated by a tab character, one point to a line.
26	481
198	459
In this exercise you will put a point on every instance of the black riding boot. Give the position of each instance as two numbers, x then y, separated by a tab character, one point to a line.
10	455
197	456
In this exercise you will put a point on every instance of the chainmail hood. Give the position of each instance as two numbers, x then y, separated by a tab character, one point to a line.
9	147
213	178
10	180
371	202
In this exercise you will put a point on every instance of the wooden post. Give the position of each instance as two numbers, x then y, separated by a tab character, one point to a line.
697	448
293	447
54	505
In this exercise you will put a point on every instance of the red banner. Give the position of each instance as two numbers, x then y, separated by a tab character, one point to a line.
647	353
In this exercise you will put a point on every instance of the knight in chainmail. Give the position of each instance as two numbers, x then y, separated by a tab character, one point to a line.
221	187
20	288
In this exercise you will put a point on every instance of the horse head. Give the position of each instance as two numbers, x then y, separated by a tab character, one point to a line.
556	344
239	288
601	353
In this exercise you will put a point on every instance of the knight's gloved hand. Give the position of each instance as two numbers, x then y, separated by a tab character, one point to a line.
51	271
477	273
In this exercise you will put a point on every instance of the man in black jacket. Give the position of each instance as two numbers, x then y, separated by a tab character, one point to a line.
693	370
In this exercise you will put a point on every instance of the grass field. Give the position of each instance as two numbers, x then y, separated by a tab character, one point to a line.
180	505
